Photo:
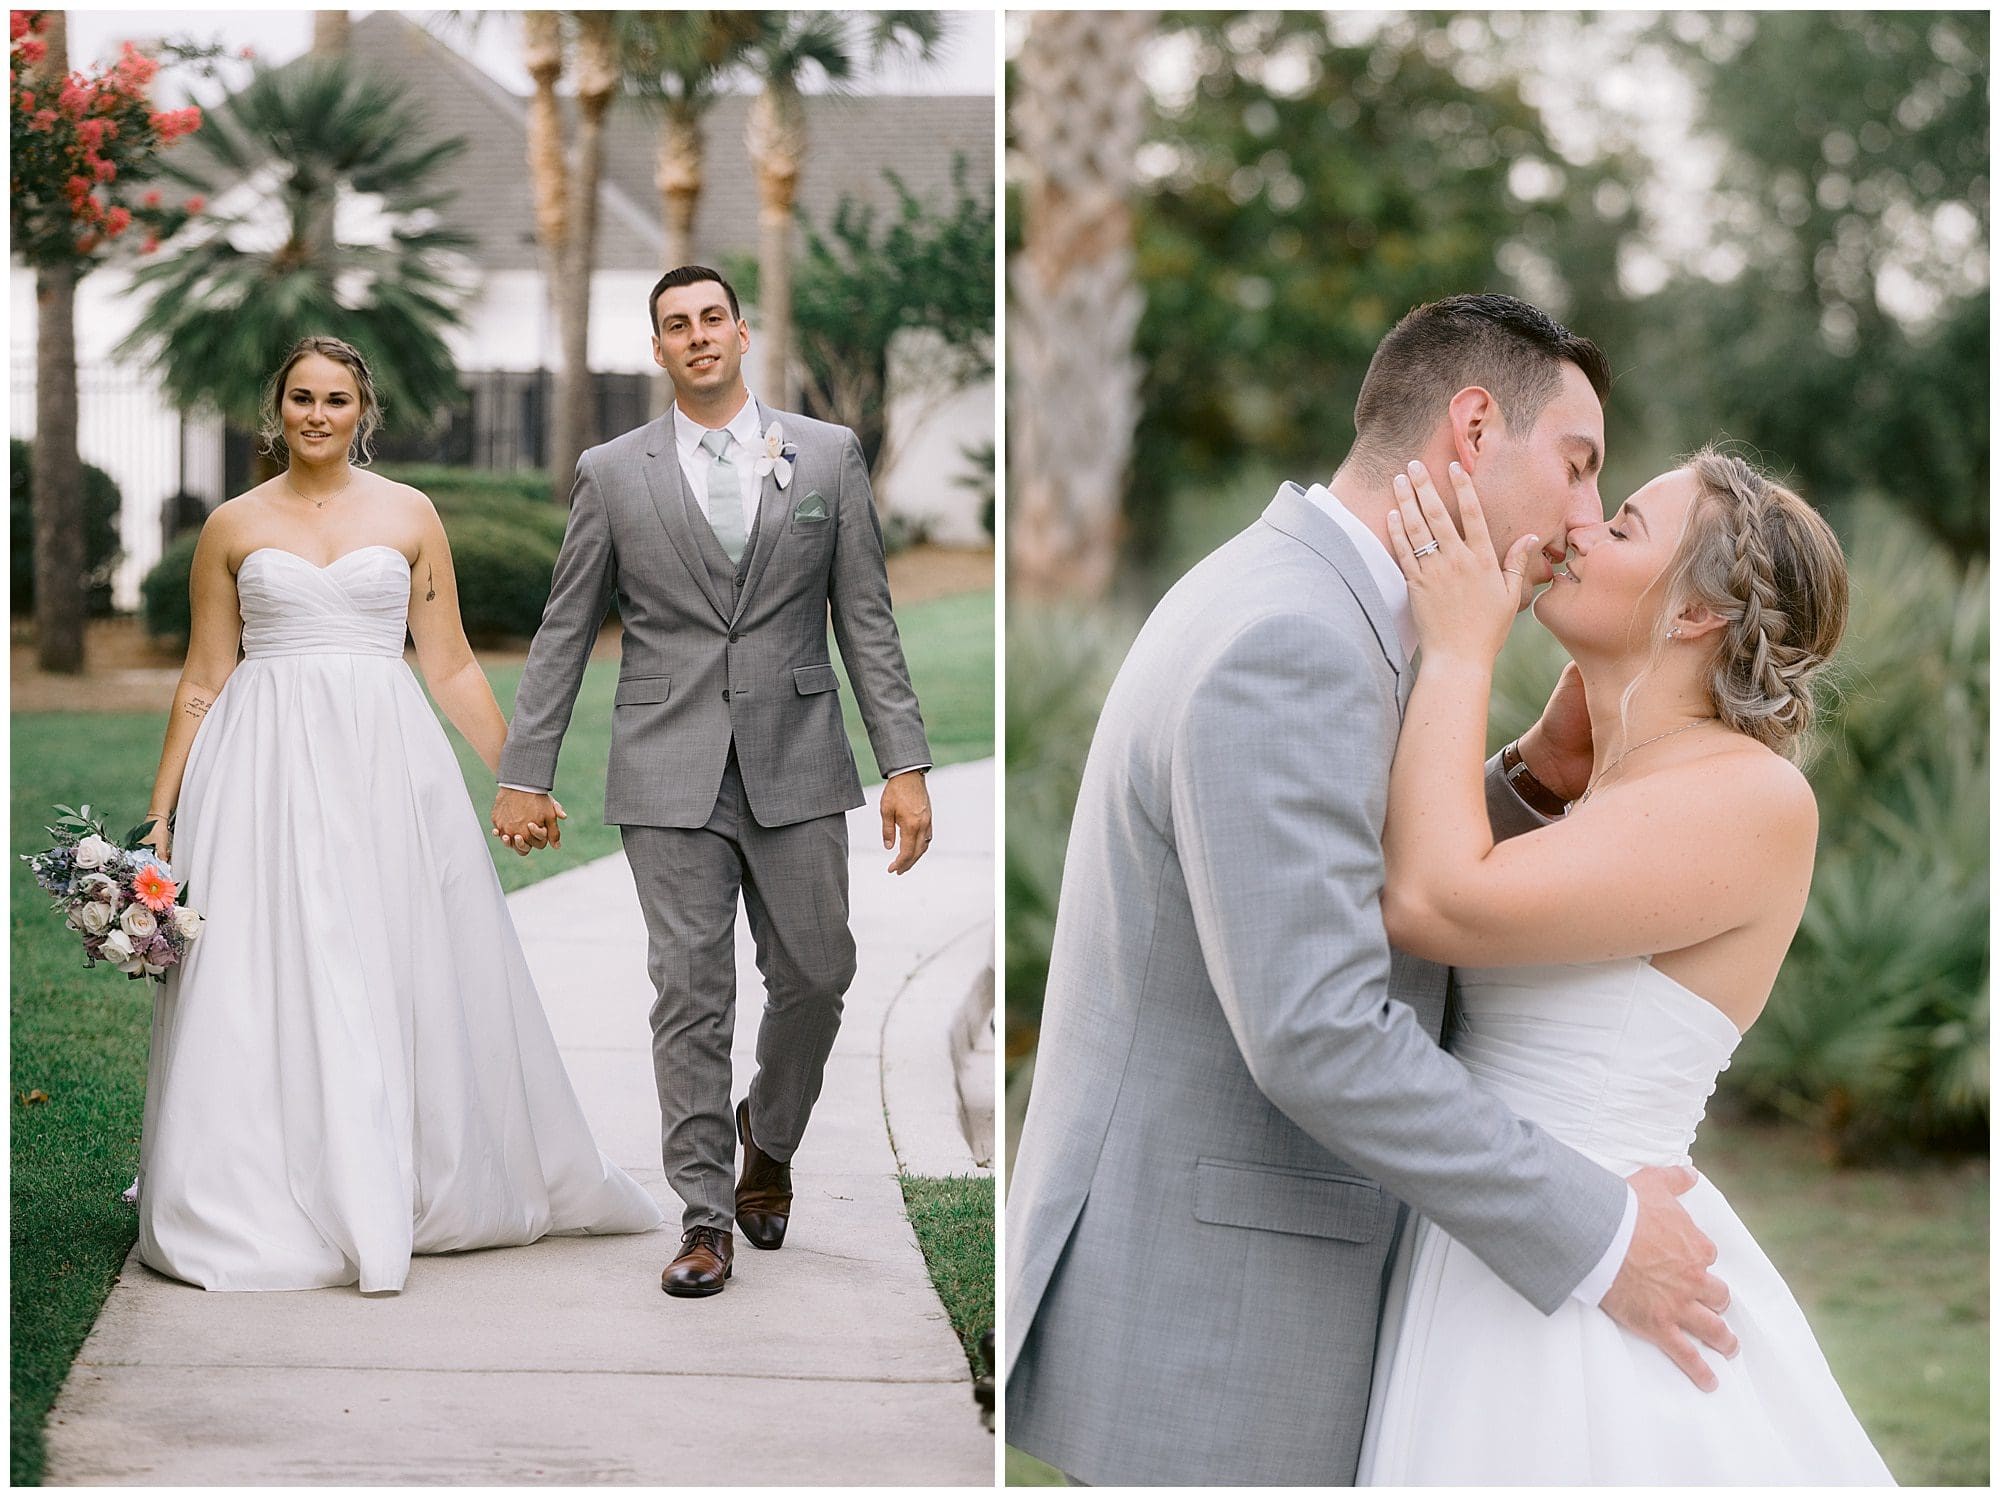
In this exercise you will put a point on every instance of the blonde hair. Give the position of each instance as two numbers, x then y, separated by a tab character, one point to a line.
271	424
1758	556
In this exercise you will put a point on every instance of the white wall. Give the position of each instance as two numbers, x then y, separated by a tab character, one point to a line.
929	428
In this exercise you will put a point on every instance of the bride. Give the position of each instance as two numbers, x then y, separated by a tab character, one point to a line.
1609	963
352	1064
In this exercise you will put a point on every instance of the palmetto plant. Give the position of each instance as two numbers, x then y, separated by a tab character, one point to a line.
789	50
324	220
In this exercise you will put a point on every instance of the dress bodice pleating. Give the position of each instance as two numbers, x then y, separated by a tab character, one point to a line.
358	604
1614	1058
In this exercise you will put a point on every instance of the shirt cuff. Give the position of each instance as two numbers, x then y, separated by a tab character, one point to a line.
1597	1283
891	774
526	789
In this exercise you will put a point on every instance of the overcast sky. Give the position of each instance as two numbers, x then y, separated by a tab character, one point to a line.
492	38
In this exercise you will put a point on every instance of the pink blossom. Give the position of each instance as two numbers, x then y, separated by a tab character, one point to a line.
152	198
33	51
18	24
118	221
196	203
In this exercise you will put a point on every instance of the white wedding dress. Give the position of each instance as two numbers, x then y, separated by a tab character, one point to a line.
352	1065
1475	1386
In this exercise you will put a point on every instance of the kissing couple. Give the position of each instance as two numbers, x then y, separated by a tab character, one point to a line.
353	1064
1358	1150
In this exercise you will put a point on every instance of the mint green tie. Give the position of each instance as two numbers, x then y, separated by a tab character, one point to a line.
725	496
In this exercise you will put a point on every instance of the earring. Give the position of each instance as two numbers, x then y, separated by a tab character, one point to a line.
1675	632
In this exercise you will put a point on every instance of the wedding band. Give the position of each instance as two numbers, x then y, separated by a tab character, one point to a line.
1425	549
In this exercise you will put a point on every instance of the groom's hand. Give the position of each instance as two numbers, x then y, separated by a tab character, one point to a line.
1664	1291
906	814
1557	748
525	820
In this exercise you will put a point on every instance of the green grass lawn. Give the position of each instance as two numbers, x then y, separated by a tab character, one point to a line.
953	1217
1890	1264
81	1037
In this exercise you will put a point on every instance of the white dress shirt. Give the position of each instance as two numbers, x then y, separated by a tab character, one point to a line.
1389	580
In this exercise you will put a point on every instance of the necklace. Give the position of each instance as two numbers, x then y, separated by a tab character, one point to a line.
319	503
1591	788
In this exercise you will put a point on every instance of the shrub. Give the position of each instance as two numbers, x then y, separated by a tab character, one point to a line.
503	571
101	503
163	595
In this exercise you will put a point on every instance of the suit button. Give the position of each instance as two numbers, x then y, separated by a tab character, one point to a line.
734	636
739	579
725	693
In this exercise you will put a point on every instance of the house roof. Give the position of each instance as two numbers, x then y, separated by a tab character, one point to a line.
852	140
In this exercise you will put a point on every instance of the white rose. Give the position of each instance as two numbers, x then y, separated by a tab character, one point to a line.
119	951
93	919
94	852
139	923
97	886
187	920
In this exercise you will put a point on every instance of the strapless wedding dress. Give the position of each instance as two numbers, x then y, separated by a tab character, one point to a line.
1475	1386
352	1064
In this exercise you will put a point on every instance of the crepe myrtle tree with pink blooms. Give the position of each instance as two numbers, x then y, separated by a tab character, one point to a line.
83	149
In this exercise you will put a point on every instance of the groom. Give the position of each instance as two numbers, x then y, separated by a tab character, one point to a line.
726	531
1238	1080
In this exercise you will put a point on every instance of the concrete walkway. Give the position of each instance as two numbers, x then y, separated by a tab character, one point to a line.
830	1362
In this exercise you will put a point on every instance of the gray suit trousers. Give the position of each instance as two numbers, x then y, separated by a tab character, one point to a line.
793	881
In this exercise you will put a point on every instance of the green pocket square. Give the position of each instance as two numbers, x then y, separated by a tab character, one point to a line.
812	507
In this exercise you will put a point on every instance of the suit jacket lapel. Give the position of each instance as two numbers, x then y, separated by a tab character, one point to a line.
670	500
772	521
1298	517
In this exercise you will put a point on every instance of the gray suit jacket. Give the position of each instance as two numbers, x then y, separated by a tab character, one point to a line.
709	658
1237	1077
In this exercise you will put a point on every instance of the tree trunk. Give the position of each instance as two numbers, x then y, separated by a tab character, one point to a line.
1073	385
677	174
542	53
60	603
60	600
330	33
776	137
596	85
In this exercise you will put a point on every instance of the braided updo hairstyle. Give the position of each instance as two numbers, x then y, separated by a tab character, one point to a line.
1757	555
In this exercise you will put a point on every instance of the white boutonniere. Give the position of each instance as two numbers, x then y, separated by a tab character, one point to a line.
779	455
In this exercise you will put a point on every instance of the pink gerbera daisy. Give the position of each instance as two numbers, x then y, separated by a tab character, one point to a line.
155	890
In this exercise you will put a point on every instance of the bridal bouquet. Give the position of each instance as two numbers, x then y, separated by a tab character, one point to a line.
123	901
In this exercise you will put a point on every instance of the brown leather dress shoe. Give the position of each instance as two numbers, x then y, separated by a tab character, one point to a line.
764	1193
704	1264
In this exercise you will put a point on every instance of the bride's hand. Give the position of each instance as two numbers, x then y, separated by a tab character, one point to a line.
1463	599
160	839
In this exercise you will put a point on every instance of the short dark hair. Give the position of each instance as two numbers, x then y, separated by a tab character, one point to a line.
1513	350
689	275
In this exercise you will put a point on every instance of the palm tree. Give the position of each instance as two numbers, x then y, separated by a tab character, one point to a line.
788	50
676	61
597	81
1078	113
326	223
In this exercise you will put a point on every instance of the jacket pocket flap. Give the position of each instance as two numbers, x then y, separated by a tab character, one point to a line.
815	678
1273	1199
638	689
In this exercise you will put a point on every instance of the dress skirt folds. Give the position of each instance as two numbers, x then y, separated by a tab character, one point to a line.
352	1065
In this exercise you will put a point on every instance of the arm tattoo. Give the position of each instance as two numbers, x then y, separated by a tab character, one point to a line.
198	706
431	596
